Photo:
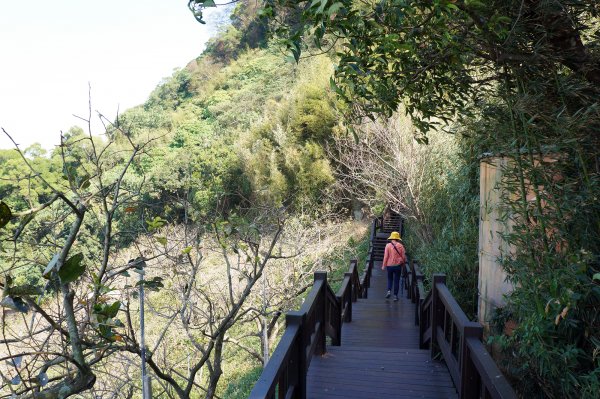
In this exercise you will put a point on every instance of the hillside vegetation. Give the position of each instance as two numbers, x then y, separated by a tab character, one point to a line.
219	187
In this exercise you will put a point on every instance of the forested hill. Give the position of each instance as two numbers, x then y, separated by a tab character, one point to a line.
239	123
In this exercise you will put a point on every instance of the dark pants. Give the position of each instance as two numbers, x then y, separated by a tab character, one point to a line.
394	273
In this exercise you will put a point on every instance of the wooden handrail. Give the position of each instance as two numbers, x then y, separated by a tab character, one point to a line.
446	330
365	279
321	314
282	370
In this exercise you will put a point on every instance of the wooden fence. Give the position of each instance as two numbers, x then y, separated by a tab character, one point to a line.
446	330
320	316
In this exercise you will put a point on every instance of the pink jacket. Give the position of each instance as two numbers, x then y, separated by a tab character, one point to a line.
391	257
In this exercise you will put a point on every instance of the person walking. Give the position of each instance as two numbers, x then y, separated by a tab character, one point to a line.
394	259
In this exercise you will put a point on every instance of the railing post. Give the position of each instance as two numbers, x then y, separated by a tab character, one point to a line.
321	335
437	312
348	318
469	378
297	374
337	341
418	301
414	282
355	279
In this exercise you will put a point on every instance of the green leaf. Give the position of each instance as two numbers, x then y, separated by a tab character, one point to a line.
155	223
187	250
322	7
153	285
596	276
50	267
5	214
72	269
105	331
85	183
335	7
474	3
162	240
112	310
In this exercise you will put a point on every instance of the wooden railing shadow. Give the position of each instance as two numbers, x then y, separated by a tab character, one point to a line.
445	329
320	316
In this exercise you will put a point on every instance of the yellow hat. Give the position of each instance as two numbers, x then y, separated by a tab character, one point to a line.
395	236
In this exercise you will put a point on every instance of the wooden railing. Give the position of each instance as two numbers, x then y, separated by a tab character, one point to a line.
320	316
445	329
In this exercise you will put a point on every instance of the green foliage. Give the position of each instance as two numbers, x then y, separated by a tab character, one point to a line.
241	387
451	206
437	58
104	315
72	269
5	214
550	184
18	189
226	46
183	148
521	79
339	263
284	155
172	92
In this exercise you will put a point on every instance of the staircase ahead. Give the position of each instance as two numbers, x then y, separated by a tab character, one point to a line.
383	227
392	221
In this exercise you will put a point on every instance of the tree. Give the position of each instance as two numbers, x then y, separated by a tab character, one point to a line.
73	230
83	324
439	57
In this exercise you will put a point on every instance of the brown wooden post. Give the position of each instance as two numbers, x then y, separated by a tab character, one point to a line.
354	278
321	335
413	289
337	341
418	301
420	322
469	378
437	312
348	318
297	369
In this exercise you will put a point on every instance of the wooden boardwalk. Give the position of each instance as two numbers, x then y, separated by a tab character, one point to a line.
379	356
374	343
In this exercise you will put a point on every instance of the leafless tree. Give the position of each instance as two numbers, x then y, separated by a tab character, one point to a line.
53	354
387	165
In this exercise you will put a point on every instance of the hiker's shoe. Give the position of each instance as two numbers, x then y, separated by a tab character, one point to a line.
395	298
388	294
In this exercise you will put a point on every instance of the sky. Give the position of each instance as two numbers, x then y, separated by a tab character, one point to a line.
51	52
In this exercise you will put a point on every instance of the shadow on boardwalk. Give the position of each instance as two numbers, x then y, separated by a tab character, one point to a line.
379	356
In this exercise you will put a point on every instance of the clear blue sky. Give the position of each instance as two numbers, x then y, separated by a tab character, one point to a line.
50	50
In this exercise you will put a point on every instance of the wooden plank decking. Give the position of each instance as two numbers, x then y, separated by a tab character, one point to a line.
379	356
